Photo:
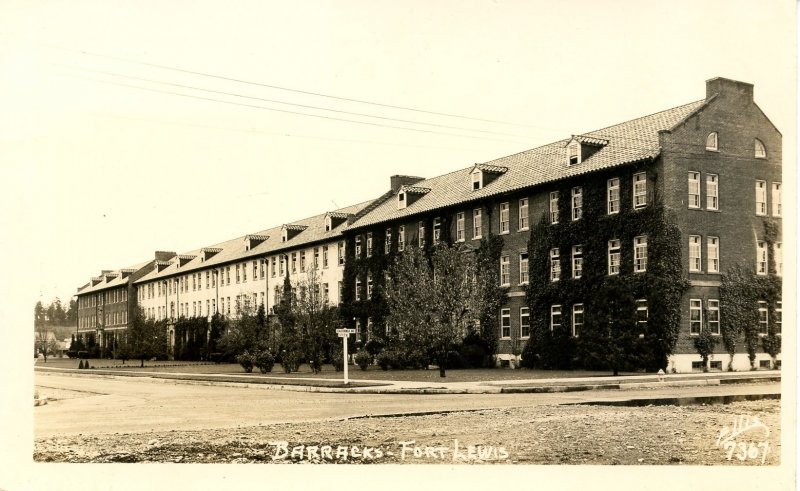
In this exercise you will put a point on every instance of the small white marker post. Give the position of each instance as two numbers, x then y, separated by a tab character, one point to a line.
345	334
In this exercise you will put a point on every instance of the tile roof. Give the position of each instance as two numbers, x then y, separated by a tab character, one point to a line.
118	280
311	229
628	142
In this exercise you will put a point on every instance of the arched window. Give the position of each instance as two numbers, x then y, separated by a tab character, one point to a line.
712	142
760	149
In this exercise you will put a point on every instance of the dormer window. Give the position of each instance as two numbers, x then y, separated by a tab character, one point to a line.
760	149
328	226
712	142
574	153
284	235
477	180
401	200
581	147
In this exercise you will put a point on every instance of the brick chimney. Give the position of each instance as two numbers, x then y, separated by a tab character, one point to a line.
398	181
726	87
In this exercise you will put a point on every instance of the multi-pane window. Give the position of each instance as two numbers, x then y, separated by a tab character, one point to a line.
612	194
477	180
524	322
369	286
778	318
282	261
340	252
339	289
387	245
712	192
244	274
761	197
694	189
504	218
358	246
294	262
421	234
273	261
639	190
505	271
694	253
316	258
401	238
695	316
325	292
369	244
358	288
776	199
555	317
476	223
505	323
577	319
555	264
577	261
324	256
262	269
523	268
554	207
574	153
437	229
640	254
460	226
712	249
577	203
613	256
761	257
303	261
778	252
712	142
759	149
523	214
237	273
712	313
642	314
763	318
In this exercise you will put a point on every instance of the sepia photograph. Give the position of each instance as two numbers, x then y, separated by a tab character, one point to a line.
447	244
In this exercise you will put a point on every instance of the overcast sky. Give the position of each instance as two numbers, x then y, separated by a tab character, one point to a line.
130	127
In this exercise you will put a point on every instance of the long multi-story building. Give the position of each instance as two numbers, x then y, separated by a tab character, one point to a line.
659	207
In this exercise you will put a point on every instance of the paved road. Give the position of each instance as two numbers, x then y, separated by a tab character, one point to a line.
94	405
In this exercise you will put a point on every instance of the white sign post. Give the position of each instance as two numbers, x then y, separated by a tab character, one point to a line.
345	334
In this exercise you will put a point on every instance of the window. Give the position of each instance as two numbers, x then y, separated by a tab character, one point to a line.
712	249
237	273
341	291
641	315
640	254
421	234
554	207
613	256
524	322
712	192
315	264
401	238
460	226
505	323
574	153
358	329
437	229
401	200
369	244
761	258
694	253
577	261
713	317
294	262
694	190
387	245
577	203
712	142
555	317
523	268
761	197
358	246
763	318
778	317
776	199
555	264
639	190
778	251
505	271
244	274
303	261
273	268
358	288
477	180
504	219
476	223
262	269
759	150
369	286
523	214
695	316
325	293
577	319
340	253
612	187
228	275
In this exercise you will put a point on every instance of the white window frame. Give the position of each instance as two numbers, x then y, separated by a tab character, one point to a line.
505	271
369	244
641	306
695	323
460	232
577	261
358	289
553	207
639	259
778	318
612	196
695	254
358	246
524	322
762	258
477	180
777	205
778	253
639	190
577	203
694	189
421	234
763	318
555	264
555	310
523	215
761	198
712	253
614	256
341	252
712	192
401	238
712	142
713	320
577	309
387	244
505	223
401	200
437	229
523	268
505	323
477	223
759	149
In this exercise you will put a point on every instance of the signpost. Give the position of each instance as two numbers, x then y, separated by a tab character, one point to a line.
345	334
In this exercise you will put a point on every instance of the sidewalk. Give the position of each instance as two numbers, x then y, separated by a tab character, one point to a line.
311	384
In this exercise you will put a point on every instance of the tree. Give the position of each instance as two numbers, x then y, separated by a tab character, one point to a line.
71	316
40	326
314	319
58	317
147	337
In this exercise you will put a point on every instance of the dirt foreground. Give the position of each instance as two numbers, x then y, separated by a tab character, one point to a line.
742	433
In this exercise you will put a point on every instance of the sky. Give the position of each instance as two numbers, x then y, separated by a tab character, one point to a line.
131	127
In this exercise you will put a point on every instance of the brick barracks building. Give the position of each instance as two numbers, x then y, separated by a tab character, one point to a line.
573	215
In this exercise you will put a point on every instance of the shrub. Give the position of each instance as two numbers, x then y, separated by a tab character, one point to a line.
246	361
455	361
390	359
473	355
374	346
704	344
363	359
264	361
83	354
337	358
290	361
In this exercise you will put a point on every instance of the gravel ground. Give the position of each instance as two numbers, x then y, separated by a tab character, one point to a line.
580	434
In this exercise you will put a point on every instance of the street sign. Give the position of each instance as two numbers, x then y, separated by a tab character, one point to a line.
345	332
345	335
